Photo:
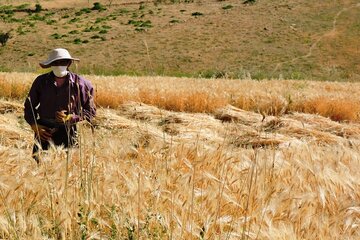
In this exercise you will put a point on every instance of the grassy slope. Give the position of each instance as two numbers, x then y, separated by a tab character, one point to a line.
288	38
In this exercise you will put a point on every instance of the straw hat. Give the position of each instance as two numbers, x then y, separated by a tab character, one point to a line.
57	54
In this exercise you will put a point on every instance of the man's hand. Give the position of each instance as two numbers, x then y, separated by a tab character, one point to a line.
62	117
42	132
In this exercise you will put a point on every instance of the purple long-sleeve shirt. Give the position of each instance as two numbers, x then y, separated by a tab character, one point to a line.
76	96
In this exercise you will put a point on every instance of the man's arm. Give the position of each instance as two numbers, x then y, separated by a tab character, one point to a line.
87	109
31	102
30	111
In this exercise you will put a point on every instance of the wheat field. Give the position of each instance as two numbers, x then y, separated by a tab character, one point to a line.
174	158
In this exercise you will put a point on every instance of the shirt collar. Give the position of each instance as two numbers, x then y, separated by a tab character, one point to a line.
71	77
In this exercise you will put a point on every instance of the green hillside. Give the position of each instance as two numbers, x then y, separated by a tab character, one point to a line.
215	38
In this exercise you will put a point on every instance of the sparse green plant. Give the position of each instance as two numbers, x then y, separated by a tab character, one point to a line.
249	2
140	23
49	14
50	22
82	11
74	20
103	31
20	30
123	11
37	17
134	15
98	20
227	7
22	6
92	29
56	36
213	74
174	21
77	41
74	32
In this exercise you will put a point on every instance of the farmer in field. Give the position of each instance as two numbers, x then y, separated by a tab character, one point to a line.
57	101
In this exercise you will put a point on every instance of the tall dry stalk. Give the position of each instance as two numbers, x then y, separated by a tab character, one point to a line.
157	174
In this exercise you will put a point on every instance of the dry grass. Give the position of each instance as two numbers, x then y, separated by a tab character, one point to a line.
336	109
338	101
287	177
178	159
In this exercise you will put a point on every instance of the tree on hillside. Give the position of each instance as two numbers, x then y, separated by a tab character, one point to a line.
4	37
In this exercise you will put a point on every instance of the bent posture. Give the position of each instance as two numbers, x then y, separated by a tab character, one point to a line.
57	101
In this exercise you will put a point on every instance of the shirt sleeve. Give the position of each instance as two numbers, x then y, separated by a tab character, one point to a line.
88	109
31	103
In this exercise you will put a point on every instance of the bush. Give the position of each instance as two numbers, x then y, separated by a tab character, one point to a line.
226	7
38	8
197	14
56	36
77	41
140	23
98	6
249	2
4	37
74	32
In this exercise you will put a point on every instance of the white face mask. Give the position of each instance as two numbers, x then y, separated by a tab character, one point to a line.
59	71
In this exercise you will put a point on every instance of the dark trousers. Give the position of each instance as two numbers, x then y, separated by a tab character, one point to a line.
65	136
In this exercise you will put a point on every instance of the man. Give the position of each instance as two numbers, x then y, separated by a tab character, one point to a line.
57	101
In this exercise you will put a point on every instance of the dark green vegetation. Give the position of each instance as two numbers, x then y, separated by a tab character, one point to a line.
216	38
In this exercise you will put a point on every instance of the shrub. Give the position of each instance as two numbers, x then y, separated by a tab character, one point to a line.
140	23
22	6
20	31
174	21
74	32
249	2
98	37
4	37
226	7
56	36
77	41
92	29
38	8
37	17
50	22
98	20
73	20
197	14
98	6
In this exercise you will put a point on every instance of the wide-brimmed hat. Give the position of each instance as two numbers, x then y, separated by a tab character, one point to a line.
57	54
